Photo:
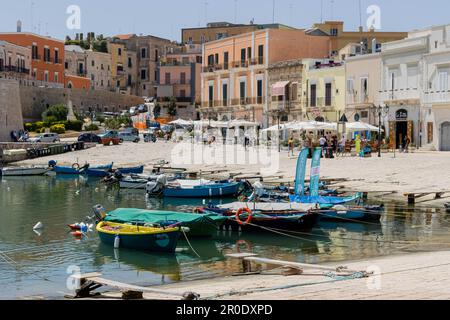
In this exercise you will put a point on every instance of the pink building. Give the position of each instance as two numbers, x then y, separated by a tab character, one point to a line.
179	77
235	78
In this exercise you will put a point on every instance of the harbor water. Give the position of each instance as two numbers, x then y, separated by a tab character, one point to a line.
38	263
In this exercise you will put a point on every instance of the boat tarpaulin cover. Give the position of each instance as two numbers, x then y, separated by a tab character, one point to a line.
150	216
262	206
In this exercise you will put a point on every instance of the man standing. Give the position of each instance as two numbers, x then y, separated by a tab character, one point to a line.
322	143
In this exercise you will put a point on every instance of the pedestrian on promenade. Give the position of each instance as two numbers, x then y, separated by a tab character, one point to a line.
322	143
291	146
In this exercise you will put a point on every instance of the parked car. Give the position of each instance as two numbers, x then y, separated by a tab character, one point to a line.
128	136
89	137
46	137
142	108
112	134
168	128
132	130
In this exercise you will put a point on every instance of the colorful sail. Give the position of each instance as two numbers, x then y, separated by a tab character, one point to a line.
315	173
301	172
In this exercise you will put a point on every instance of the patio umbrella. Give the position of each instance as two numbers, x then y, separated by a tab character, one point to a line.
181	122
361	126
312	126
276	128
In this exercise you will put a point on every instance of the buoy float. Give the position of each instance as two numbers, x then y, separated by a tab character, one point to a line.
117	242
77	234
38	226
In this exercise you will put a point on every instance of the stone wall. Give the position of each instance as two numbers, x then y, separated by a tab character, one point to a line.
10	109
36	100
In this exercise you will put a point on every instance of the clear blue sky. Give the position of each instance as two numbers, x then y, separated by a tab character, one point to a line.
166	18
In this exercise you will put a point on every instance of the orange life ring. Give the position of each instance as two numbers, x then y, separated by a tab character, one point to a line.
247	244
199	210
249	218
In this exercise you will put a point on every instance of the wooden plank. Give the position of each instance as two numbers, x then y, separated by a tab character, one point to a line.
241	255
86	276
296	264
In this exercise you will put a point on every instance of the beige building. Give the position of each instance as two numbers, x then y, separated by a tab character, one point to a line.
363	79
220	30
285	81
340	38
99	69
149	50
15	62
123	68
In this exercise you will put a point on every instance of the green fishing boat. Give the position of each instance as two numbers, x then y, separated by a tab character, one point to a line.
200	225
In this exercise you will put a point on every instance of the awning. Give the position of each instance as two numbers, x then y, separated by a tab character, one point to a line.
279	88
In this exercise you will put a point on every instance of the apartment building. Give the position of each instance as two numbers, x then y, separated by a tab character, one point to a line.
324	90
148	52
47	56
285	83
235	77
363	74
124	71
220	30
179	78
339	38
15	62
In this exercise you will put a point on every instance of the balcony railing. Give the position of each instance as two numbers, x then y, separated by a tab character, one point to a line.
174	64
437	97
14	69
234	102
400	94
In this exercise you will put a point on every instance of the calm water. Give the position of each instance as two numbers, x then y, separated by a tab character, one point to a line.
36	265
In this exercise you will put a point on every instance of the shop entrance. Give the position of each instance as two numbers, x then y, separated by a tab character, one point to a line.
445	136
401	133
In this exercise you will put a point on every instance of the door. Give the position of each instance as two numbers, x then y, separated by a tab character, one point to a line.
313	96
401	133
445	136
443	85
328	94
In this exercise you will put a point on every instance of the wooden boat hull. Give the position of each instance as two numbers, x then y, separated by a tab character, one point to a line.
135	170
17	172
161	241
350	215
207	191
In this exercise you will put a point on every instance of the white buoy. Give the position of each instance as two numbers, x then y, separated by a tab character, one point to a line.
117	242
38	226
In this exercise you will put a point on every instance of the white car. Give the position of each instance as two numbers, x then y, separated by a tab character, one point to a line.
133	111
46	137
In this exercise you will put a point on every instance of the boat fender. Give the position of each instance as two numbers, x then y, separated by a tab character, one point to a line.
117	242
38	226
249	218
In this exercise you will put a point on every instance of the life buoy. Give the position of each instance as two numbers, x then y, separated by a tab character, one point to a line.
76	166
248	246
249	218
199	210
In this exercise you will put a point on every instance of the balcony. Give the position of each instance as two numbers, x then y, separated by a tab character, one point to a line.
437	97
240	64
322	102
405	45
408	95
174	64
357	99
257	61
14	69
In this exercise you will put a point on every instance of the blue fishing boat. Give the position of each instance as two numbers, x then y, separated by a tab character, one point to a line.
349	214
325	200
210	190
132	170
75	169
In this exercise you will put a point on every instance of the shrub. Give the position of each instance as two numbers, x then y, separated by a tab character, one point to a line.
38	126
58	111
91	127
74	125
30	127
49	121
58	128
100	119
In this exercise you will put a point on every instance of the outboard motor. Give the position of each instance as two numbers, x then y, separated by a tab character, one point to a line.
155	187
52	164
99	212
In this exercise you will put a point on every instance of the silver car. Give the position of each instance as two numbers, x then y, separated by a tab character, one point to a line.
46	137
128	136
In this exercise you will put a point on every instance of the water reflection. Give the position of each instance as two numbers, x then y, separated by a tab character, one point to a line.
62	200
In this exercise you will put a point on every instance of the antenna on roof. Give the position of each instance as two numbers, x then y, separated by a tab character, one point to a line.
273	12
321	11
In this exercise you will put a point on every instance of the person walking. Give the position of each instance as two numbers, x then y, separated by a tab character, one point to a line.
322	143
291	146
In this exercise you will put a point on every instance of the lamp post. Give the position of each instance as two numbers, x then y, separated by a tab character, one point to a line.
381	111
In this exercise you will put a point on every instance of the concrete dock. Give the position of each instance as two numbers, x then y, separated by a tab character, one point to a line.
418	276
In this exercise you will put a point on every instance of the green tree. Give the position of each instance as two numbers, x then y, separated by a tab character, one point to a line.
56	112
172	106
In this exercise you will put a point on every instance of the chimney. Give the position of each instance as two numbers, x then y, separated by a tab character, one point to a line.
19	26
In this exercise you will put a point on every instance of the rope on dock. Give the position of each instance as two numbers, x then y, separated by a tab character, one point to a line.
189	243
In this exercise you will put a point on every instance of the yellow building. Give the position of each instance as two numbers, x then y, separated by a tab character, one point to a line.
323	84
123	68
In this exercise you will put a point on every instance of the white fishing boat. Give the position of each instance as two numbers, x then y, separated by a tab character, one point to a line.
24	171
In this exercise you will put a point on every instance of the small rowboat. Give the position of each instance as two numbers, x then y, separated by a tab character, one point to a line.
23	171
132	170
77	170
102	173
139	238
210	190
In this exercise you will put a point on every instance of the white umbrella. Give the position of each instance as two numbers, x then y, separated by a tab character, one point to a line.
181	122
243	123
312	125
361	126
276	128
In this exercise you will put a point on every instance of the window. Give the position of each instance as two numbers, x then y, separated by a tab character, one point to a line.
224	94
66	65
182	93
46	54
130	63
183	78
242	56
216	59
261	54
101	83
46	76
202	39
118	84
413	77
242	93
143	53
119	68
129	81
81	68
93	63
225	60
333	32
56	77
294	91
328	94
249	53
210	60
143	74
34	52
313	102
119	51
210	95
167	78
57	56
259	91
364	90
190	40
350	89
156	55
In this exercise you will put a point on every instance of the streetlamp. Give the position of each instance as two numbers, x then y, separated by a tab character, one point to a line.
382	111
